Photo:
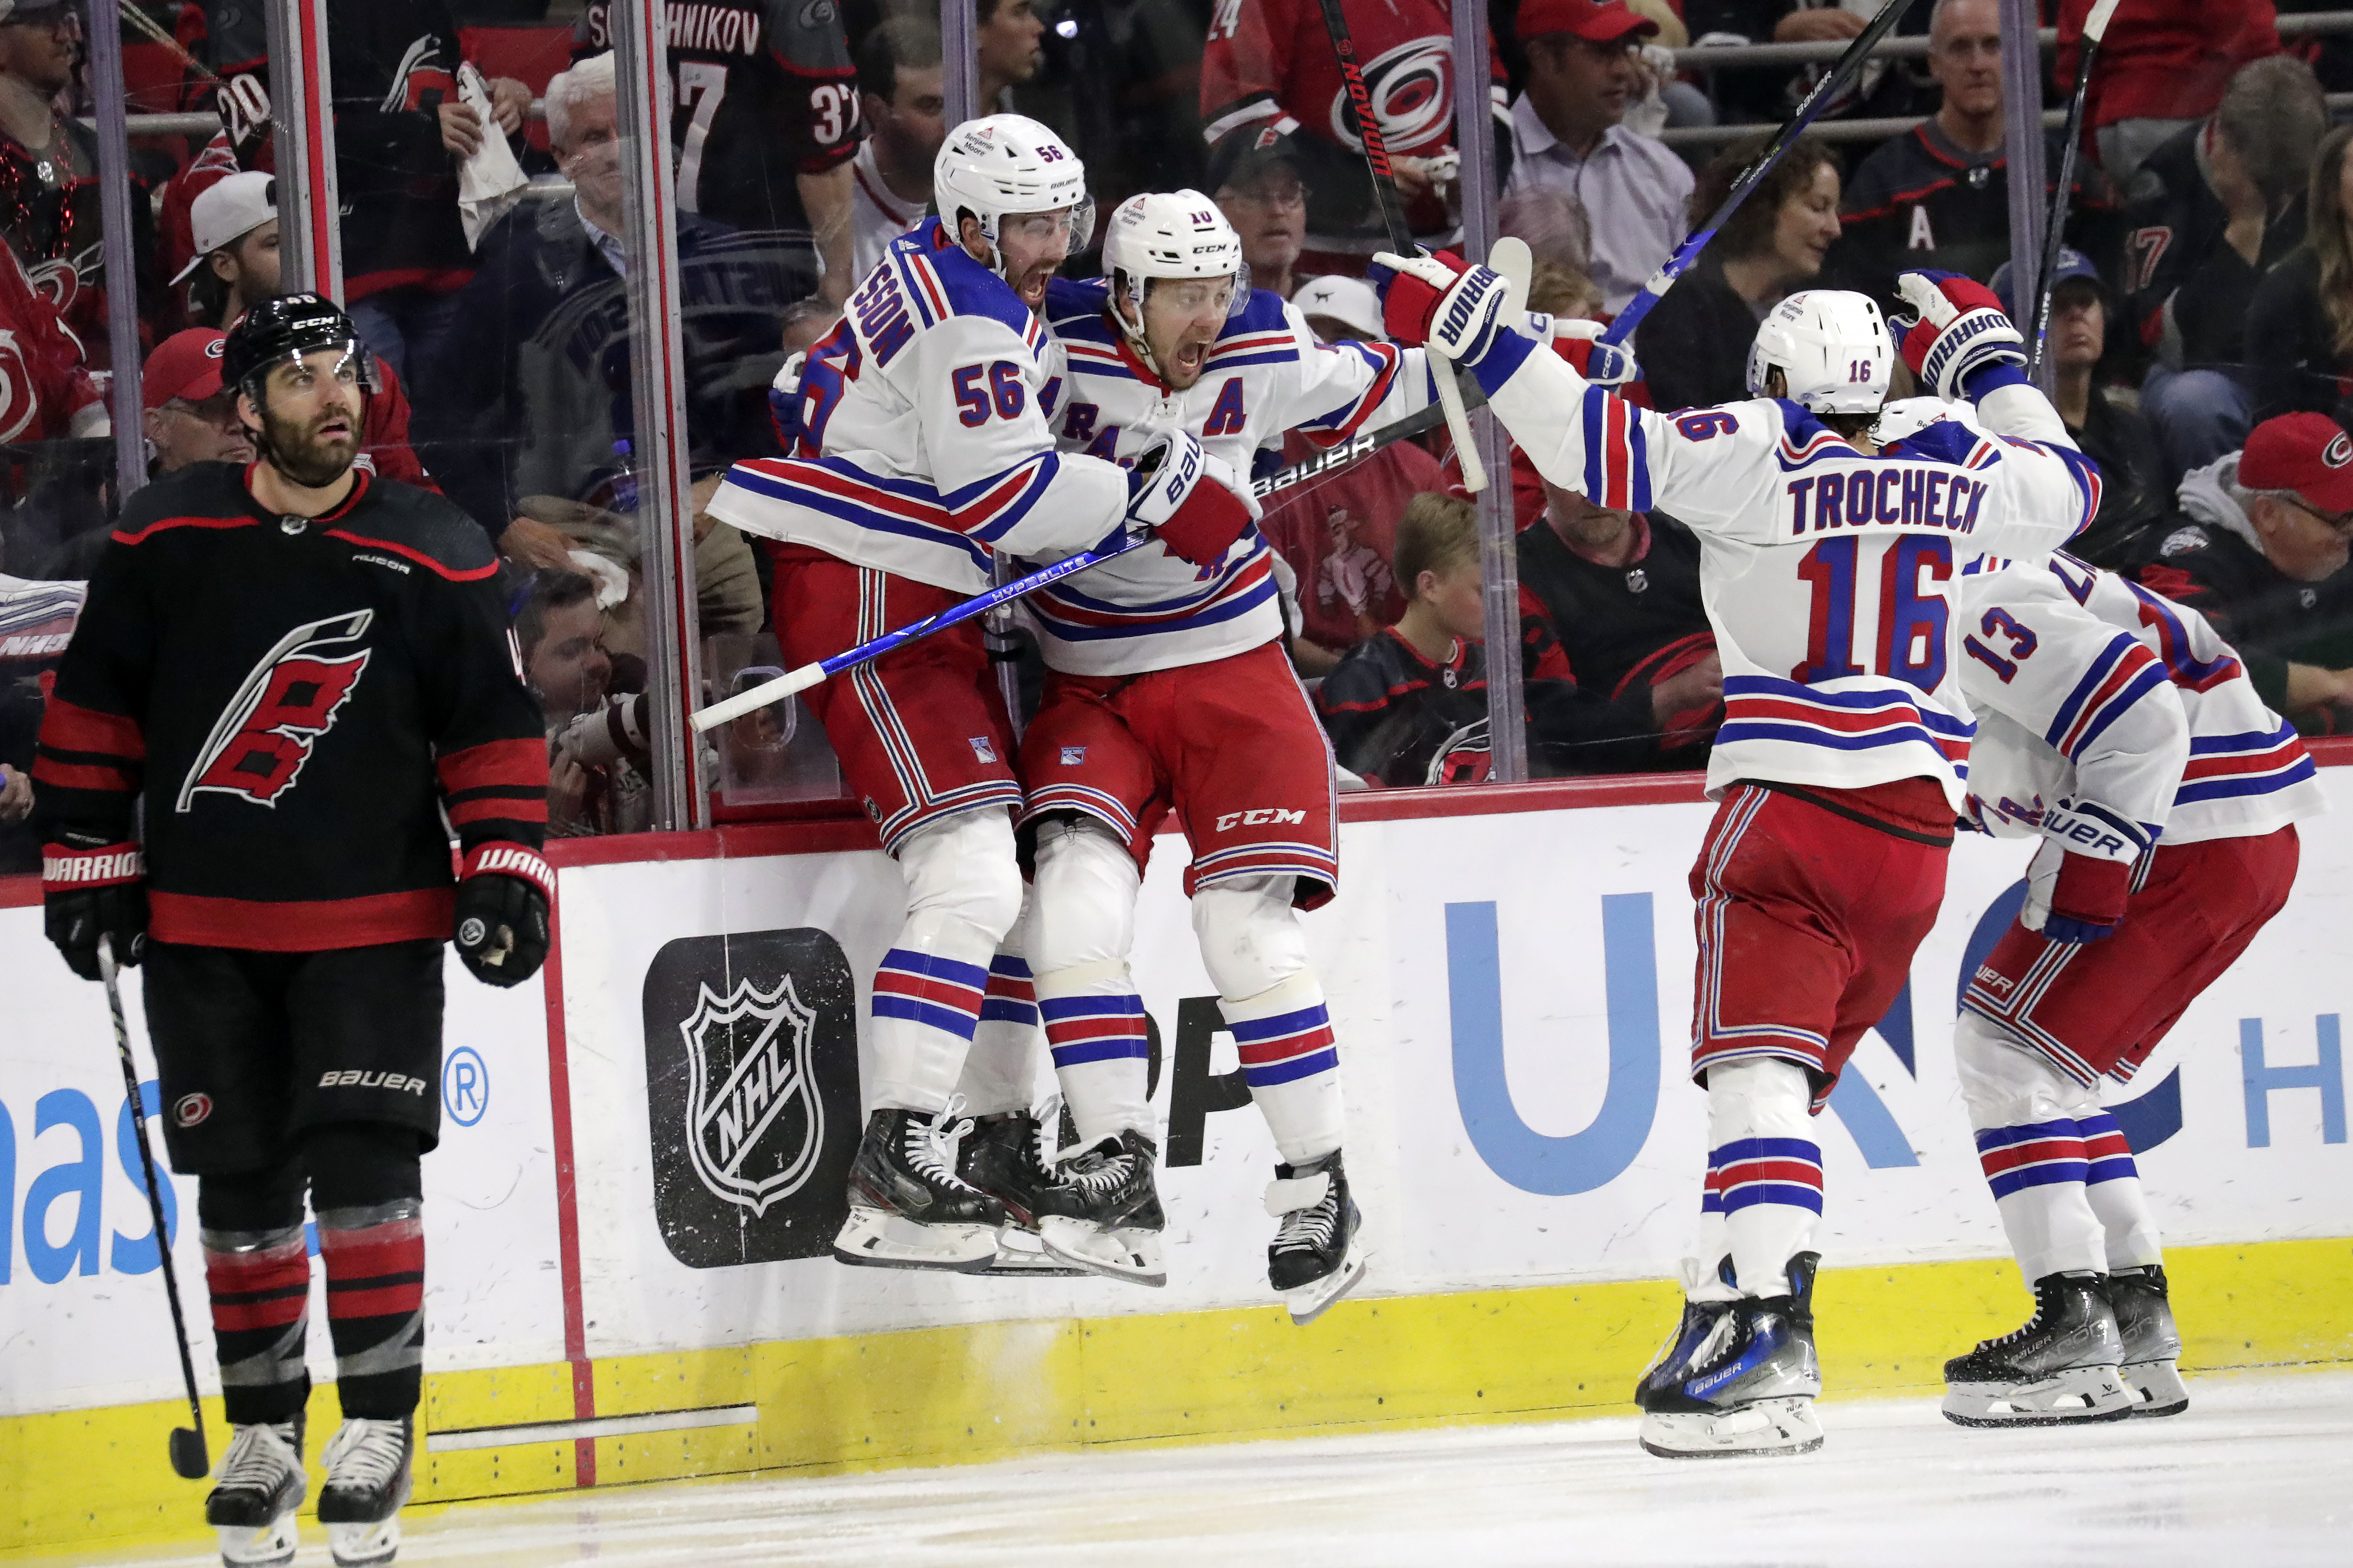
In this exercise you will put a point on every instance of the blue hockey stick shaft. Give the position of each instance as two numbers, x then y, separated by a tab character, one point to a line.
1847	67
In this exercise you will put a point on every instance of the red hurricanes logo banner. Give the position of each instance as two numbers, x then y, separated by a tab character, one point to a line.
264	736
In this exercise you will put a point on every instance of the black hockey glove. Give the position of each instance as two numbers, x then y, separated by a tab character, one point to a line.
92	891
504	895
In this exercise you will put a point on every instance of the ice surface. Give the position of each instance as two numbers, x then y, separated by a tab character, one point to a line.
2259	1471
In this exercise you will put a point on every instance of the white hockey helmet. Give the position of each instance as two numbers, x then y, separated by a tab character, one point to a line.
1172	235
1831	348
1003	165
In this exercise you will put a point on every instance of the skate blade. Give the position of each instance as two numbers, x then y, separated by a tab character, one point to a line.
1767	1426
1309	1301
2074	1397
364	1545
245	1546
877	1238
1020	1254
1126	1254
2159	1387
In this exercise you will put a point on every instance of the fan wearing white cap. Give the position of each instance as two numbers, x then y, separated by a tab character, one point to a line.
235	266
922	452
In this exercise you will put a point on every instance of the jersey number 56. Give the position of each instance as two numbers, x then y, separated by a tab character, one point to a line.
1005	394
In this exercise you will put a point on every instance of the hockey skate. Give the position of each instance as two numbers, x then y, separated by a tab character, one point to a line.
1693	1339
1751	1384
252	1505
2058	1370
1105	1217
908	1207
368	1478
1314	1259
2152	1347
1004	1156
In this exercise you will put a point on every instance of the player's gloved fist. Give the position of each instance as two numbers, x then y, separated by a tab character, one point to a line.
91	890
1962	332
1457	310
784	406
1603	364
1192	501
2080	898
503	894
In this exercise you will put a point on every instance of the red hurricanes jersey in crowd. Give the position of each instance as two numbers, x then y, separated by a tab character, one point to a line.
295	701
44	391
760	90
1273	60
2165	59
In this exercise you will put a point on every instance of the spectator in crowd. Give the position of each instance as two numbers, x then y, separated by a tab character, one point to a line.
2133	488
1338	309
2216	206
1010	54
766	122
2299	338
2162	66
1262	197
903	103
1883	86
539	403
1552	222
1559	289
45	394
1938	197
1663	100
40	618
189	416
560	630
1694	345
1269	80
1568	136
1620	592
234	223
2260	548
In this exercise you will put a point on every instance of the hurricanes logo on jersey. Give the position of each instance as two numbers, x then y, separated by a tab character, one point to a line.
264	736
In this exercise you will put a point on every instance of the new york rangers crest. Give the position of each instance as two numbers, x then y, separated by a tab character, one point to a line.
755	1123
259	745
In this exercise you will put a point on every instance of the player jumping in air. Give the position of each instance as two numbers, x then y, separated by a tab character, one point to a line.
2106	716
922	449
296	667
1827	569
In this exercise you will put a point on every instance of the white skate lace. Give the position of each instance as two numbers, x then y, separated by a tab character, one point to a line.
930	1146
1313	1227
252	1461
366	1455
1095	1172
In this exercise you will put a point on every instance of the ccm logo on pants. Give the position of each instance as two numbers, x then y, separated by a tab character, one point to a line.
1259	817
397	1083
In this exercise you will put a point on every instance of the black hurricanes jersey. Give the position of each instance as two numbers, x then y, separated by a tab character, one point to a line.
1621	628
293	701
760	90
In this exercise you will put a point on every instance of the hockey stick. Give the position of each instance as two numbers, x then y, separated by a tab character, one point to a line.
188	1455
2096	27
1392	208
1847	68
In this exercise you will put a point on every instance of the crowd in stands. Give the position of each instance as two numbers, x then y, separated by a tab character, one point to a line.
2200	337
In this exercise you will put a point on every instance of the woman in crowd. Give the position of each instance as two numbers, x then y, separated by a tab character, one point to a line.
1694	347
2300	324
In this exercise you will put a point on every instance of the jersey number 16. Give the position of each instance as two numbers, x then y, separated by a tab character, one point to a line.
1913	615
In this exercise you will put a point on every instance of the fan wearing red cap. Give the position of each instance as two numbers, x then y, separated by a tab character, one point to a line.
189	417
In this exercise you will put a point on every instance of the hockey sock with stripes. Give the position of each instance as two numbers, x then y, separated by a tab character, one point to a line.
2112	1183
1768	1168
366	1189
1083	927
1704	1277
258	1273
1291	1063
2024	1111
1000	1071
964	897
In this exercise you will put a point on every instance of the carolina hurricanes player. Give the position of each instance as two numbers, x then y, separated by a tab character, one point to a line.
922	451
289	671
2120	932
1828	555
1171	692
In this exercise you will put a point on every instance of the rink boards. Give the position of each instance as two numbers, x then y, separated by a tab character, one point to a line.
641	1158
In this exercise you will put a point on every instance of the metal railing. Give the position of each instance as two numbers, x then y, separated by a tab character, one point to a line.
1914	47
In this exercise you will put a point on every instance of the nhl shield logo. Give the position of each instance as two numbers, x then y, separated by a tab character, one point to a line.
755	1124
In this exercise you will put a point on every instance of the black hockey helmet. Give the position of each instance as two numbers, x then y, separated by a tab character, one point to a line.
287	328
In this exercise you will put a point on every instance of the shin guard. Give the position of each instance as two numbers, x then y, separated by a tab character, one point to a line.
1768	1168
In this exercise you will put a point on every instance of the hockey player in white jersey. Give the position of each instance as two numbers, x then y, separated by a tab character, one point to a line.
1827	567
921	450
1171	692
2106	716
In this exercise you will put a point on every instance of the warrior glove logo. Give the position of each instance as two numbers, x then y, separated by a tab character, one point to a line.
264	736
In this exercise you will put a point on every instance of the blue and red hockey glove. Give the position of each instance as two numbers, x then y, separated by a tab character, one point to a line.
1190	499
1964	344
1455	310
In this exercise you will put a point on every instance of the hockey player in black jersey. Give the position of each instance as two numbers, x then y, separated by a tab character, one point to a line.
296	669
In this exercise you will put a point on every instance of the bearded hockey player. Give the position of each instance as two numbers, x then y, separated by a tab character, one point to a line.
1171	692
2105	716
921	451
1828	557
296	669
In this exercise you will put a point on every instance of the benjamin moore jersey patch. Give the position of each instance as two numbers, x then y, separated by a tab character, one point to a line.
752	1094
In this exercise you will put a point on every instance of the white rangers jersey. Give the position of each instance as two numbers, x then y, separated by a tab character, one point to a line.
2245	772
1266	374
925	447
1828	575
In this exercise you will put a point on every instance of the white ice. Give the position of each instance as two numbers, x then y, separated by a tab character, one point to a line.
2258	1472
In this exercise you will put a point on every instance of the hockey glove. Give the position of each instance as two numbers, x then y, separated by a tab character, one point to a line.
93	891
1192	501
1603	364
2075	898
1455	309
503	894
1964	345
784	408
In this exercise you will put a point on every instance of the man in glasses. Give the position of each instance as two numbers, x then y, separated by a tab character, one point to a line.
2260	548
190	416
1263	196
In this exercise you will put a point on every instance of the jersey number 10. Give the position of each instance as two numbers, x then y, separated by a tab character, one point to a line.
1913	615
